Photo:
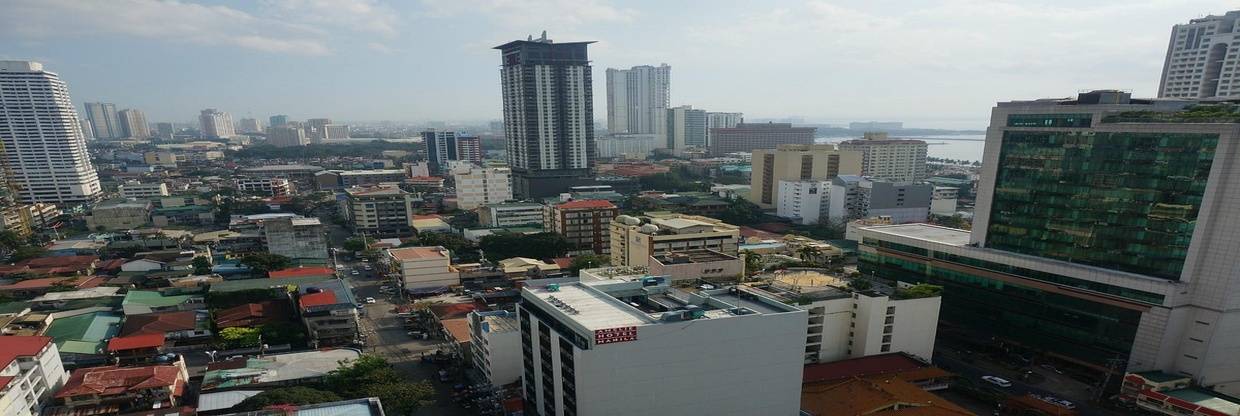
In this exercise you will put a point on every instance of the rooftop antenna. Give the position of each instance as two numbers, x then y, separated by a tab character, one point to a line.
529	38
544	36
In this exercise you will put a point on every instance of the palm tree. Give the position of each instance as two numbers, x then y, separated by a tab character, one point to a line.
809	253
753	263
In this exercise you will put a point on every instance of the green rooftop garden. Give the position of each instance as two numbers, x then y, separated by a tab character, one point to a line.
1201	113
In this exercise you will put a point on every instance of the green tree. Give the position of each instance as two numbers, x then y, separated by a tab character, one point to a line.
356	244
297	396
27	252
809	254
588	261
536	246
372	376
202	265
741	212
467	219
239	337
10	241
277	333
753	262
261	263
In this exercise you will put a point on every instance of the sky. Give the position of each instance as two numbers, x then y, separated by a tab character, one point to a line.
928	63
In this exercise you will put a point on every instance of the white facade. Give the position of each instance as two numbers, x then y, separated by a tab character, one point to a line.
721	355
637	97
133	123
943	200
423	267
720	120
803	201
297	238
216	124
251	125
853	197
496	343
477	186
626	146
898	160
287	136
1201	58
135	189
511	215
44	149
105	123
271	186
336	131
36	370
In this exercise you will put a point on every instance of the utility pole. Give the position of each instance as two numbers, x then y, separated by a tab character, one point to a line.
1113	365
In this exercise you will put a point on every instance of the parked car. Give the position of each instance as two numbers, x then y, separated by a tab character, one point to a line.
366	267
997	381
370	300
353	273
418	335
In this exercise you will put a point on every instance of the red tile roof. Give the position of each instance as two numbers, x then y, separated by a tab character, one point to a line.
114	381
458	328
326	297
301	272
134	342
861	367
756	233
4	381
77	282
252	314
114	264
563	262
12	347
159	323
587	204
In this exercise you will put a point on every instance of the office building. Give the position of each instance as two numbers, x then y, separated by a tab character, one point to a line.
720	120
216	124
854	197
625	146
251	125
338	179
137	190
165	130
817	162
1201	57
335	131
422	268
898	160
1104	208
747	137
686	128
548	115
379	211
512	214
133	124
637	98
478	186
44	155
804	201
629	347
584	223
884	126
634	240
105	123
443	147
277	120
316	129
299	238
30	372
287	136
496	346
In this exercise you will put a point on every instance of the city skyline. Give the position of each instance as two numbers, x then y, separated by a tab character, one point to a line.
253	61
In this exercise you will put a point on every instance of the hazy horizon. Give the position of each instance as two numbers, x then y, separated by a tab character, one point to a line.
929	64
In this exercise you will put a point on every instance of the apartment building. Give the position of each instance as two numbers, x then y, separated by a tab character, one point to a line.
478	186
635	239
139	190
747	137
853	197
340	179
298	238
30	372
264	186
584	223
122	390
329	312
511	214
496	346
800	162
423	268
804	201
1201	58
381	210
896	160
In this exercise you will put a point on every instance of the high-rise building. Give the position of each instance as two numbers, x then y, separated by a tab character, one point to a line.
316	129
1103	236
44	154
165	130
286	136
335	131
381	210
251	125
87	131
637	98
635	239
216	124
626	146
890	159
639	347
477	186
797	162
104	121
548	115
584	223
746	137
446	146
686	128
1201	57
804	201
133	124
853	197
719	120
277	120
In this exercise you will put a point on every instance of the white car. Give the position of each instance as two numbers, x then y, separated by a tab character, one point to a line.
370	300
353	273
997	381
339	267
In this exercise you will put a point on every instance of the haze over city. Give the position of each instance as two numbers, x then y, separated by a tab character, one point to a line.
930	64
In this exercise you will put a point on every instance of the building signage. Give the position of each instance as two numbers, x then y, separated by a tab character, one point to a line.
611	335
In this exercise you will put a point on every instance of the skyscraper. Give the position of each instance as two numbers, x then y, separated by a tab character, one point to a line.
1201	60
133	124
717	120
104	122
445	146
286	136
165	130
548	115
686	127
637	98
44	154
216	124
316	129
251	125
890	159
87	131
278	120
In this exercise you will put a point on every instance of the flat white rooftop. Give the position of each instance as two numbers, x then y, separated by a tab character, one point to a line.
594	309
925	232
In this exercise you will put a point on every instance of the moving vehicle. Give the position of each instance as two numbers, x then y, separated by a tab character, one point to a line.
1001	382
370	300
353	273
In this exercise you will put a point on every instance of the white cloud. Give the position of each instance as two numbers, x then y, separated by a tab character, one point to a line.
367	16
533	13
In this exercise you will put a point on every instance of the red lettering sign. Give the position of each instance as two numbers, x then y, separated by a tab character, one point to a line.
613	335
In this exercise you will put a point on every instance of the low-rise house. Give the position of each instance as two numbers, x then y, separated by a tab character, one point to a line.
147	301
58	300
274	370
254	314
188	215
179	327
133	349
121	390
81	336
30	371
519	267
329	313
430	224
36	287
53	266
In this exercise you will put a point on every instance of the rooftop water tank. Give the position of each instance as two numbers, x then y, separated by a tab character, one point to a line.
649	229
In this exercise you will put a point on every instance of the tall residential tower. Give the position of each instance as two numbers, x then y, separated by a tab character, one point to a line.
216	124
637	98
104	122
44	153
1201	58
548	115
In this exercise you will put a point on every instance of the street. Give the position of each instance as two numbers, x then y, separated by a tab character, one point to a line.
973	369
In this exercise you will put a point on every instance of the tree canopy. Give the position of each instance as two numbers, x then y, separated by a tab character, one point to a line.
543	245
239	337
372	376
261	263
297	396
